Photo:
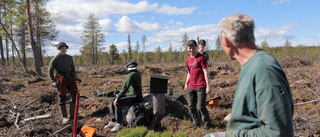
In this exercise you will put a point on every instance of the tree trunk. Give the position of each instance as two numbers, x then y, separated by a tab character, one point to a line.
3	61
23	49
6	37
37	34
12	49
7	50
35	49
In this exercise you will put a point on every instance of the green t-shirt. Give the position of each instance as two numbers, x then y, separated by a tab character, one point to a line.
62	64
263	104
132	85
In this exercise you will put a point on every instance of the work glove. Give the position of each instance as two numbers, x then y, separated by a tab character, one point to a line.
55	84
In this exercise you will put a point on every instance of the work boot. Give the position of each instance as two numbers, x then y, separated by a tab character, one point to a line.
116	128
110	124
64	114
72	109
65	120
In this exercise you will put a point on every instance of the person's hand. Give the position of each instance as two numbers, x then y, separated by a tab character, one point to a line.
115	103
208	90
186	88
55	84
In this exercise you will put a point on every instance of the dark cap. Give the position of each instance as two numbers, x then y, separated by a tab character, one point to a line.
62	44
132	65
192	42
202	42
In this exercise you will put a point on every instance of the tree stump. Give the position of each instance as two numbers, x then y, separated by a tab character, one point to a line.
158	87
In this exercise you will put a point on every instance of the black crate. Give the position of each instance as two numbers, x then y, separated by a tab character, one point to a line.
158	84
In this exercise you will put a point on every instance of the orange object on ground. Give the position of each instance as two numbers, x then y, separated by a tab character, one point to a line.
214	102
87	131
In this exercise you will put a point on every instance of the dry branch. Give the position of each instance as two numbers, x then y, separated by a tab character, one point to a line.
307	102
16	122
214	113
62	129
38	117
30	103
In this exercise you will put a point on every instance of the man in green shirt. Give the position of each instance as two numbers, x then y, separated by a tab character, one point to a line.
132	85
263	104
64	80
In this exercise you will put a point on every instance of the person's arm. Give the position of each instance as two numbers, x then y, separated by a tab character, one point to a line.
274	113
206	77
73	70
125	87
51	69
187	82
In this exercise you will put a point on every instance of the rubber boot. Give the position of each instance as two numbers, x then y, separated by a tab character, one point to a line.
64	114
72	109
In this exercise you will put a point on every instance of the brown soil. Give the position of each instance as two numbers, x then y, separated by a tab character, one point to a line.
34	96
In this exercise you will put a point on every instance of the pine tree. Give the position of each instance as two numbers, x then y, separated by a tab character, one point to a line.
218	47
124	56
170	55
129	48
265	45
184	40
144	40
158	56
287	48
137	50
92	38
35	49
44	27
114	54
21	30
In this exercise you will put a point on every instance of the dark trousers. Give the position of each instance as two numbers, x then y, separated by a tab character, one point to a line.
65	84
116	112
196	103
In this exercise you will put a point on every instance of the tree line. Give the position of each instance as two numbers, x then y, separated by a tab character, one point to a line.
29	23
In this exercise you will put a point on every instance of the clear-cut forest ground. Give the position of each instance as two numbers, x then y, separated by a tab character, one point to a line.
22	97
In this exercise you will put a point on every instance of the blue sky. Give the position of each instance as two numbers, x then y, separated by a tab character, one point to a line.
167	21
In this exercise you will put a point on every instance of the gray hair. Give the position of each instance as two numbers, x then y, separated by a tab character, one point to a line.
238	28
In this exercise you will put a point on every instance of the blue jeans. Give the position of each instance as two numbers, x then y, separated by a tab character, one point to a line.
197	103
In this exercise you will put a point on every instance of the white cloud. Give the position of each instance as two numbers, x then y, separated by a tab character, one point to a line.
126	25
278	2
74	9
318	36
208	12
179	23
169	10
207	31
106	25
275	35
307	42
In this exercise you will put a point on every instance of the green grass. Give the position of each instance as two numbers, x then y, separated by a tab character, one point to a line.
133	132
142	132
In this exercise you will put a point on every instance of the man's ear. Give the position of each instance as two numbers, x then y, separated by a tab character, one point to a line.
228	43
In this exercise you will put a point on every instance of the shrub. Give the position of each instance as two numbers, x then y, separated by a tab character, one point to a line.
166	134
153	134
159	134
133	132
180	134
